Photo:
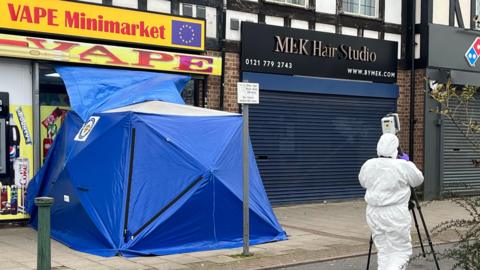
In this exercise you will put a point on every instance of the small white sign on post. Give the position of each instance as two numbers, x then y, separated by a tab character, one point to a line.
248	93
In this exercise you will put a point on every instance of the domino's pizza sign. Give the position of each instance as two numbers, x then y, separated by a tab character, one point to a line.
473	53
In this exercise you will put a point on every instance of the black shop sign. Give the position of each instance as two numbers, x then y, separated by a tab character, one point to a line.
279	50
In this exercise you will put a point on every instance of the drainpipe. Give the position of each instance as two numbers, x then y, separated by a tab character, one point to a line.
36	116
411	137
223	38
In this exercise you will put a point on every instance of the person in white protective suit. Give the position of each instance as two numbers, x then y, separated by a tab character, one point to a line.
387	180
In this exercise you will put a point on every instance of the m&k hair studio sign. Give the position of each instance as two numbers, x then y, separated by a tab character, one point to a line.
271	49
100	22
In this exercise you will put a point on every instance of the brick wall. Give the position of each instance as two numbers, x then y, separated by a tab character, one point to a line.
212	99
232	76
403	104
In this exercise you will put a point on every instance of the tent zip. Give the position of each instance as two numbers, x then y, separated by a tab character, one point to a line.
129	188
165	208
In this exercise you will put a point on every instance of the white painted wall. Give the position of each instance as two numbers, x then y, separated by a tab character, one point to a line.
393	11
398	39
440	13
326	6
370	34
16	78
211	26
242	16
299	24
322	27
125	3
418	46
465	8
272	20
418	11
349	31
163	6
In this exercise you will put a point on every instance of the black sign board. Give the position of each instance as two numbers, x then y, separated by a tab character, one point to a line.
453	48
4	105
280	50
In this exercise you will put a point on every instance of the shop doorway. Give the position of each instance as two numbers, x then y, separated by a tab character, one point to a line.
54	104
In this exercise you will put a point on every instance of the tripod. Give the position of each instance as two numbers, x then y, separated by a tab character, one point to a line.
411	206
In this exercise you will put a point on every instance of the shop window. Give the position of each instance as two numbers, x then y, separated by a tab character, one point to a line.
360	7
201	12
187	10
297	3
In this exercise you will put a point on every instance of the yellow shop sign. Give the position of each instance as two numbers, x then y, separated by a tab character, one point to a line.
96	54
100	22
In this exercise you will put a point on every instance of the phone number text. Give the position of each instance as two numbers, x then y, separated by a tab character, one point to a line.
268	63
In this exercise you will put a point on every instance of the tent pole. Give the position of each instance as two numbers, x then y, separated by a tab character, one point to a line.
246	217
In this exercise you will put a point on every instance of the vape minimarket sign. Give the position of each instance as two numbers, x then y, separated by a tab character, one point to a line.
105	55
100	22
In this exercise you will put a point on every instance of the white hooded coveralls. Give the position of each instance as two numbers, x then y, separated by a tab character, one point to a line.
388	181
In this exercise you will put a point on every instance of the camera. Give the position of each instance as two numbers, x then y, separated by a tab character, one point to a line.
476	21
391	123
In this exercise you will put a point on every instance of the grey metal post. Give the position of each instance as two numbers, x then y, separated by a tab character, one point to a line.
246	191
43	242
36	116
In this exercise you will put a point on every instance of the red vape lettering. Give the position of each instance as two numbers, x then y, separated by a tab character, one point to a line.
145	58
101	51
63	46
34	15
195	63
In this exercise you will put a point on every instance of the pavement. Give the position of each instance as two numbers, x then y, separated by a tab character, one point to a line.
360	262
316	232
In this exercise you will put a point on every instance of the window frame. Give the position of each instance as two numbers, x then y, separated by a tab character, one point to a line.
192	6
377	11
197	7
285	3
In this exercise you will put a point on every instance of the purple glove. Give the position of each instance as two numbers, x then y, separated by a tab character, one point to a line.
404	156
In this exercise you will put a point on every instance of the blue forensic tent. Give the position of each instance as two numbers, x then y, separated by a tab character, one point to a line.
94	90
151	178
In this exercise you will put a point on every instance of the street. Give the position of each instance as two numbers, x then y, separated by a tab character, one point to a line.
360	262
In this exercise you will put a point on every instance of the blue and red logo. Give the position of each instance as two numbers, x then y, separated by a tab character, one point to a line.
473	53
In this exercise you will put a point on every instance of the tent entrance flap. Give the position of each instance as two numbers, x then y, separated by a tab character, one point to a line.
129	187
166	207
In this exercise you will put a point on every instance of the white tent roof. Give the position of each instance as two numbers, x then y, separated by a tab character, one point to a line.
166	108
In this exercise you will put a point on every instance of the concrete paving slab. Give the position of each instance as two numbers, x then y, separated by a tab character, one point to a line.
316	232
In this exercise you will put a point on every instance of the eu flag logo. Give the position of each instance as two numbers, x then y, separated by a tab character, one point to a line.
186	33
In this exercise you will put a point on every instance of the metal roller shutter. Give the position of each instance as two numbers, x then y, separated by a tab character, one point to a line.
460	176
310	147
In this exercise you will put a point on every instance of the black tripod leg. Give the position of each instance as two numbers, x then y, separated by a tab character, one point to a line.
419	208
369	252
418	231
